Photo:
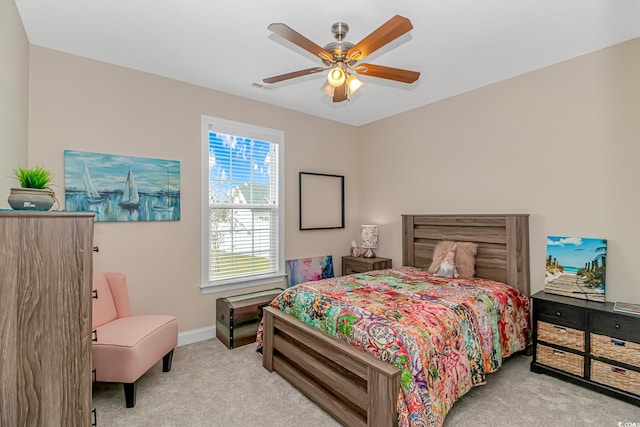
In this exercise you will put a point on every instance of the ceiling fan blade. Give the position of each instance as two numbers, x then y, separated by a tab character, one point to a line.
387	32
292	75
298	39
397	74
340	93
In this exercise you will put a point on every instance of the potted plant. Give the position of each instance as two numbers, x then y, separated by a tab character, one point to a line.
35	191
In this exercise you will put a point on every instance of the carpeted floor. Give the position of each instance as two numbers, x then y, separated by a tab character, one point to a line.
212	386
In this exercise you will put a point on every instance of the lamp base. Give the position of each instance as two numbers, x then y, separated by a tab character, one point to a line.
369	253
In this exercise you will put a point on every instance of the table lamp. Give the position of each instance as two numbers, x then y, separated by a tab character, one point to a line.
369	237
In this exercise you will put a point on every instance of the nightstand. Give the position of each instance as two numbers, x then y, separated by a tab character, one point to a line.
352	264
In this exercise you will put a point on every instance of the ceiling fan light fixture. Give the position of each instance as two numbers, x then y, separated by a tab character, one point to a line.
340	57
336	76
354	83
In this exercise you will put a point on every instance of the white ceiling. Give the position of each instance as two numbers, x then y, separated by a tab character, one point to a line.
456	45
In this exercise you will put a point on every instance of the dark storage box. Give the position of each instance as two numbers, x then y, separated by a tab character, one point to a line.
238	317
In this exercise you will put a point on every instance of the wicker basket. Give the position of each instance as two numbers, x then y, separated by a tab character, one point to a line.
615	349
560	335
563	360
614	376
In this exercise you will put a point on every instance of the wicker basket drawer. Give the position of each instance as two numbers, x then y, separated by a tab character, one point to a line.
623	379
563	360
561	335
615	349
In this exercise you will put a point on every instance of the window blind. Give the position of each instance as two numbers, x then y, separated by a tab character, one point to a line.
243	207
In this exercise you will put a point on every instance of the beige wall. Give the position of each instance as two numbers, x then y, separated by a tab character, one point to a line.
561	143
81	104
14	96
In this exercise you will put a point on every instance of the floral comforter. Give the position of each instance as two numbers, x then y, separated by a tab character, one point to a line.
444	334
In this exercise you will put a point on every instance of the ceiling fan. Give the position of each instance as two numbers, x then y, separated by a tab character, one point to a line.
342	58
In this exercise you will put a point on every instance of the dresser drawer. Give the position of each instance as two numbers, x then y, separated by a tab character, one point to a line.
615	349
617	326
561	314
353	265
561	335
623	379
353	269
563	360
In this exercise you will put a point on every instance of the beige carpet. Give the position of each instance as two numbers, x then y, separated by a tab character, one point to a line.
212	386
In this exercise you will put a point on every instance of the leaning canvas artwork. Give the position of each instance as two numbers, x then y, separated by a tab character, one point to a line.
122	188
309	269
576	267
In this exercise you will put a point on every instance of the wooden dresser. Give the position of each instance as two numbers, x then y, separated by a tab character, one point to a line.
587	343
45	318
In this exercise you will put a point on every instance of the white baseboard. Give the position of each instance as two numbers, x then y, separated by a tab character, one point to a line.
195	335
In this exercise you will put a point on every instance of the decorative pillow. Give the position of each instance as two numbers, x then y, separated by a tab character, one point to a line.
465	257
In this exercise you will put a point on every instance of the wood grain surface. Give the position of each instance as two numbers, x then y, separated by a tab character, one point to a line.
45	318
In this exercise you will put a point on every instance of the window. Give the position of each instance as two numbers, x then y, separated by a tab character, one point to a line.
243	218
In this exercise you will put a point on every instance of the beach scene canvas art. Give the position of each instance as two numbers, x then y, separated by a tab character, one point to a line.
122	188
576	267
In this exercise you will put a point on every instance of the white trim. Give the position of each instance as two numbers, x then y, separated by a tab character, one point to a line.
195	335
276	279
204	196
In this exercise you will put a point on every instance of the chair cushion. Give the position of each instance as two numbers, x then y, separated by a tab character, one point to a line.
127	347
104	309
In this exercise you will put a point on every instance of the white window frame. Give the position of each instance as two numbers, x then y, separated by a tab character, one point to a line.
249	131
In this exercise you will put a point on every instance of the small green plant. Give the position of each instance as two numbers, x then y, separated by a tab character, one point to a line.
36	177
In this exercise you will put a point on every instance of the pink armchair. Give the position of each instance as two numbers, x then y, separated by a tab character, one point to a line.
125	346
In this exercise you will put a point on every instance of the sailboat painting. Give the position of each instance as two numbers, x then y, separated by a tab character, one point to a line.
92	194
130	197
122	188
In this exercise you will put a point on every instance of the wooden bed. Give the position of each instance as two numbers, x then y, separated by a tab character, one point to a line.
353	386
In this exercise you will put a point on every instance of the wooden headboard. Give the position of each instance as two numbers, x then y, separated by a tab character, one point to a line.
503	243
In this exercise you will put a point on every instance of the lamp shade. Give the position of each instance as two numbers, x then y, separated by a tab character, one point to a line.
328	89
369	236
336	76
354	83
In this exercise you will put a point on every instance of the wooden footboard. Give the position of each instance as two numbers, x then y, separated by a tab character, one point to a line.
354	387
